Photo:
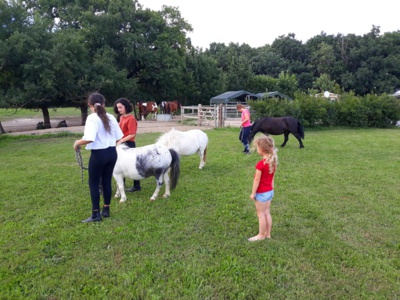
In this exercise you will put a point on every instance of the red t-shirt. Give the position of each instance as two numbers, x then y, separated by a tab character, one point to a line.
267	179
128	125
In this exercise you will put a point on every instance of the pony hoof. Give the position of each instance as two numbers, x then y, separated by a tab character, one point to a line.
122	201
152	199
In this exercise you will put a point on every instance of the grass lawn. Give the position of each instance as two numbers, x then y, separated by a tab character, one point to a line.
335	235
65	112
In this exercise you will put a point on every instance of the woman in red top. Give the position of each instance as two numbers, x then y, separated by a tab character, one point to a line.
128	125
263	185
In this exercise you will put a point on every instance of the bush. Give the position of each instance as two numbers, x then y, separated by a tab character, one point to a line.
370	111
351	111
381	111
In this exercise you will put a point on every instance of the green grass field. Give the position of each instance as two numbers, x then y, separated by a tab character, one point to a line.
65	112
335	235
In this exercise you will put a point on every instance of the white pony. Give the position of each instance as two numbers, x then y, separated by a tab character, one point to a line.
142	162
186	143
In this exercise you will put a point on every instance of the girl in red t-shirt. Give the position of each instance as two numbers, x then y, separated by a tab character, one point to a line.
128	125
263	185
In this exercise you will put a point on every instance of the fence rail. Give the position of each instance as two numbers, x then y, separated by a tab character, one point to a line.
221	115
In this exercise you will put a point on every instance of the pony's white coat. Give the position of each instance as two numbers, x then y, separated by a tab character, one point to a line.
142	162
186	143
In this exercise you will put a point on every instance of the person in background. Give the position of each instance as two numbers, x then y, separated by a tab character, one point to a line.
100	135
128	125
245	127
263	185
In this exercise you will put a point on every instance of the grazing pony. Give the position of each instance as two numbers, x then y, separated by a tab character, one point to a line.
277	126
145	108
186	143
142	162
170	107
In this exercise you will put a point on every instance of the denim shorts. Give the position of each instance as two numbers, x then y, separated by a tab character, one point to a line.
265	197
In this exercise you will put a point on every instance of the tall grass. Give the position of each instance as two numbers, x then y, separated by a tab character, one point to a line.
335	232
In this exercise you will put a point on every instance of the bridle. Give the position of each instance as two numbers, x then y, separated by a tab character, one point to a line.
78	157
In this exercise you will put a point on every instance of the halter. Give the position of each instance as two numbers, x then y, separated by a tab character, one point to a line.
78	157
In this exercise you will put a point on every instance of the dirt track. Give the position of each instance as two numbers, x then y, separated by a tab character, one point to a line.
27	126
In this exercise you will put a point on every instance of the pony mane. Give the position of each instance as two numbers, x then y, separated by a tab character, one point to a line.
169	137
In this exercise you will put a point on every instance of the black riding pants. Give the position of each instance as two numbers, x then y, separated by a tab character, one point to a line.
101	166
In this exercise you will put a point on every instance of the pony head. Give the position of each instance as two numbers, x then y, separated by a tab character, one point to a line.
253	131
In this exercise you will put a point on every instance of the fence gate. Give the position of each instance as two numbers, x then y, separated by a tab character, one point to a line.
217	115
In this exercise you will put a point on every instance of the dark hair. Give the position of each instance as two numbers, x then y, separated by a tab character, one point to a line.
125	102
98	101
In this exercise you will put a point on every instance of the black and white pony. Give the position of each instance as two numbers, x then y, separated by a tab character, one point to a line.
186	143
142	162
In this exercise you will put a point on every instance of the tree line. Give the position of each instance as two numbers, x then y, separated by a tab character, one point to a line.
54	53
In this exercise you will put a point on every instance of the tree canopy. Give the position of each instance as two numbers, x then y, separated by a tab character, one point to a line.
54	53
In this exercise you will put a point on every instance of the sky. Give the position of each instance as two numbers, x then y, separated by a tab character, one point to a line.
260	22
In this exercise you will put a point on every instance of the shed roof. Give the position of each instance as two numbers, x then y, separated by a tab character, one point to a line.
233	96
275	94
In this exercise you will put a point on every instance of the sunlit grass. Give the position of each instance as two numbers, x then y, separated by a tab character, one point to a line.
335	234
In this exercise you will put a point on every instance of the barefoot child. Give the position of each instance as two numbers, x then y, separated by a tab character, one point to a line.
263	185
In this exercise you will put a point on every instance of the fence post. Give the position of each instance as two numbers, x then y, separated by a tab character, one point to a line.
182	113
217	115
199	118
220	116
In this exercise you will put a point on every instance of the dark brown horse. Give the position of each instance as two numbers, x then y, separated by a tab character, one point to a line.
277	126
170	107
145	108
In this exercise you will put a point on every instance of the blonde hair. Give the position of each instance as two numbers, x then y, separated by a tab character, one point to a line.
267	145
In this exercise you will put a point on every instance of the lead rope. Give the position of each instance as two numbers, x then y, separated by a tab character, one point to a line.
78	157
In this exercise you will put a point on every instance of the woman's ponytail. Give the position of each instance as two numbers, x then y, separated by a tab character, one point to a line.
98	101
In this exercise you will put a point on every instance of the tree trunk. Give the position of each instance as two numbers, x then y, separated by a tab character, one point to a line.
84	113
2	131
46	117
137	117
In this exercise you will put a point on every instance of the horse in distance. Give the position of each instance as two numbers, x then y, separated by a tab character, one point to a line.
142	162
277	126
145	108
186	143
170	107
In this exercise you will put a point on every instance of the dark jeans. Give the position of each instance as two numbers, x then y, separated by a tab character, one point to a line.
136	183
244	136
101	166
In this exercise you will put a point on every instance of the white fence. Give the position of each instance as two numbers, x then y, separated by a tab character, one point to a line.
217	115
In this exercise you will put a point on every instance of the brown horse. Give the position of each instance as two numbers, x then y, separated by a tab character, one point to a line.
145	108
170	107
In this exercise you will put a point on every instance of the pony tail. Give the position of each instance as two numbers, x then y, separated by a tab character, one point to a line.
272	160
101	112
98	101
